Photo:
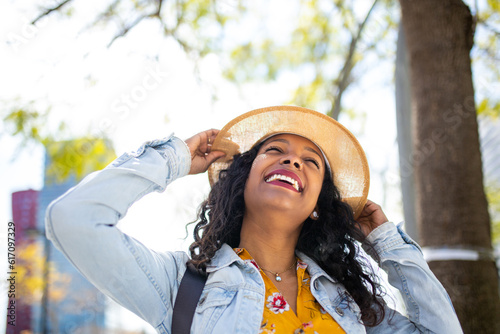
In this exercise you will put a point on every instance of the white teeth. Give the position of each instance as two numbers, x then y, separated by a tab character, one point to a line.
288	179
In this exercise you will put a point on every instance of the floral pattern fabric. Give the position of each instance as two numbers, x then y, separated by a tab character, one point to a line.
279	318
277	303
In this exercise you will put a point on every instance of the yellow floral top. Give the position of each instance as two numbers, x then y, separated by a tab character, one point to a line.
279	317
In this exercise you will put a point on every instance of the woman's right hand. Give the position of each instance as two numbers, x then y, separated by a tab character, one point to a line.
200	146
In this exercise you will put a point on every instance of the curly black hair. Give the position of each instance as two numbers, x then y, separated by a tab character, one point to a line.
330	240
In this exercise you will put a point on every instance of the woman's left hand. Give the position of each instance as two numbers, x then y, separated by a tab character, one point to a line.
371	217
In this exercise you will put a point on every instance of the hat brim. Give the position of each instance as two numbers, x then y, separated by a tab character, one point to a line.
343	152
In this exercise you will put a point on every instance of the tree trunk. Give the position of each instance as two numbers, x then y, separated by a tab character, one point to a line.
451	207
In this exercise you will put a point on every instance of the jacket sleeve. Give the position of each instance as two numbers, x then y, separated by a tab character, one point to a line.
428	307
82	225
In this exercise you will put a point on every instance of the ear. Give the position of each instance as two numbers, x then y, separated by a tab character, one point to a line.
315	214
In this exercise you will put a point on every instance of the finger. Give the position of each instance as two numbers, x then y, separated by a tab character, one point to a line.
211	135
200	140
212	132
212	156
372	204
207	139
209	144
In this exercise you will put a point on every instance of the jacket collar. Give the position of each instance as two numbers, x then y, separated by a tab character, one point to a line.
226	256
313	268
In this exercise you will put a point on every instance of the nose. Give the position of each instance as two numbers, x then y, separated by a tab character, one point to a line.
292	160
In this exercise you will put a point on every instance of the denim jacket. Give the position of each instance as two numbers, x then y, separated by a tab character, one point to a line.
82	225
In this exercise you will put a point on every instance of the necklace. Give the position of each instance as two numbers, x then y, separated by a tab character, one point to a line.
277	275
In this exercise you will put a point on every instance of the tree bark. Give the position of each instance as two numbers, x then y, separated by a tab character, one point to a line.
451	207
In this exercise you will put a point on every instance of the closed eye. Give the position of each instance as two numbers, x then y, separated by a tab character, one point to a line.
314	162
274	148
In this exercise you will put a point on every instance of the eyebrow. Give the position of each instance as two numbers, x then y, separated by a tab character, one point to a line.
307	148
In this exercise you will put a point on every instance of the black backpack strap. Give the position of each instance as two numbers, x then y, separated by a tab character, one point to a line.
189	293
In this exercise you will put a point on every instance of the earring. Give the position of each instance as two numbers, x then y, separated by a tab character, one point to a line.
315	215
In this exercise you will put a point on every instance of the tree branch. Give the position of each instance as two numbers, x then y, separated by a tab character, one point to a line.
158	11
104	15
50	10
489	27
344	78
131	25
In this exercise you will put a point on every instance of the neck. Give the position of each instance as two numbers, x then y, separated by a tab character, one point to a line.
271	245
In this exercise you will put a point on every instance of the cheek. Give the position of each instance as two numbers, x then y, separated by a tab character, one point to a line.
318	186
255	171
253	176
257	161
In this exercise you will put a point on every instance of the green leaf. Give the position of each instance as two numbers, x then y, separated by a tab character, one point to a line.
493	195
489	108
77	158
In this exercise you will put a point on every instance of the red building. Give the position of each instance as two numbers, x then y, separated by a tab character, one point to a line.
24	213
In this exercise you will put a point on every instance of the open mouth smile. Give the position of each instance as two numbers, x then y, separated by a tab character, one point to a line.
285	178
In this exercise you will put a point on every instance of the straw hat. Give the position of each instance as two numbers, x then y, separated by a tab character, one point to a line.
344	155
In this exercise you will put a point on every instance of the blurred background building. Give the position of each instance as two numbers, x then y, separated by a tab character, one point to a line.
51	295
24	213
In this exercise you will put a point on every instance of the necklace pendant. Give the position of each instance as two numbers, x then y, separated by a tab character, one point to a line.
278	278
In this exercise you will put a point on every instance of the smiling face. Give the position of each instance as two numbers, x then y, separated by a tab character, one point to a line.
286	177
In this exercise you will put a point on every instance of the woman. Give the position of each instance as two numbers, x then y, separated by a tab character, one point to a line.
276	235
